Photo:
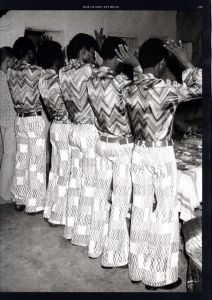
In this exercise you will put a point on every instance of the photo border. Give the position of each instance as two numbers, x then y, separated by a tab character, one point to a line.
205	7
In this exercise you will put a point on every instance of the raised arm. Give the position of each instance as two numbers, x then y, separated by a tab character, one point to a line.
126	57
191	76
100	37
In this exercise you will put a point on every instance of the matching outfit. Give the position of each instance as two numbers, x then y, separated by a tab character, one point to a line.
154	236
109	233
57	191
83	137
90	184
29	181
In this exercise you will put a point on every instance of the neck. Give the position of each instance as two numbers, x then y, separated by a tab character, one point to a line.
55	68
109	63
3	68
149	70
26	59
79	58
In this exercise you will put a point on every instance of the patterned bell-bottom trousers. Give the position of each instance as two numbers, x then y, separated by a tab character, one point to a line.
109	233
154	235
57	191
82	184
29	180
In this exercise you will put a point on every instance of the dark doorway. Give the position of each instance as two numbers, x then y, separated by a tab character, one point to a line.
35	36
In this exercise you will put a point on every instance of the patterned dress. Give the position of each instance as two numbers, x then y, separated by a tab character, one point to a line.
83	137
109	233
57	191
7	135
154	235
29	181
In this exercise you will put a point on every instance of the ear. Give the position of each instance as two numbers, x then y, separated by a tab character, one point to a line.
83	53
136	53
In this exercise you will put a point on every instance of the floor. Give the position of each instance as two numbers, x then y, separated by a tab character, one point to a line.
34	257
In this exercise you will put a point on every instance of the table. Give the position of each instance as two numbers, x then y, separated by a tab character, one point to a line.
189	178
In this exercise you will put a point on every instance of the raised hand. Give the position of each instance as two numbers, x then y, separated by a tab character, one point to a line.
98	59
179	52
126	57
100	37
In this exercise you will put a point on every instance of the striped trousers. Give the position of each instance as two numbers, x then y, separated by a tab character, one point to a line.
57	191
154	234
109	235
82	184
29	180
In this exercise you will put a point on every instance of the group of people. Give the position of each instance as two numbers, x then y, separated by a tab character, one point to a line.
112	152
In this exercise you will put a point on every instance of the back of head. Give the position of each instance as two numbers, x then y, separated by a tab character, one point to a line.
22	46
48	52
152	52
80	41
109	46
6	52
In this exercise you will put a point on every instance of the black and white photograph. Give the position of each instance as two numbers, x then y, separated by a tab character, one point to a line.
101	130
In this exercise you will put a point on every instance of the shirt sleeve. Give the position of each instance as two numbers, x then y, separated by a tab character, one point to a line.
139	78
123	84
58	102
192	85
55	103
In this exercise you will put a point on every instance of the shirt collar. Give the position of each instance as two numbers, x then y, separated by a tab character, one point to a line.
103	72
75	63
50	71
21	65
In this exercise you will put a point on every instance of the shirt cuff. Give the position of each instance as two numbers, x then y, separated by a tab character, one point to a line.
188	72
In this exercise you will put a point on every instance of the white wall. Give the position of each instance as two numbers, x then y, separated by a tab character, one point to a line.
140	24
12	25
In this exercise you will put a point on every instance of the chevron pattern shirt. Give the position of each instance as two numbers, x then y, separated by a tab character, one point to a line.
152	103
23	82
49	87
7	111
106	92
73	81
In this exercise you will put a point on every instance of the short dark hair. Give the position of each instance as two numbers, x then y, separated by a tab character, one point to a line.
152	52
47	53
22	45
79	41
109	45
6	52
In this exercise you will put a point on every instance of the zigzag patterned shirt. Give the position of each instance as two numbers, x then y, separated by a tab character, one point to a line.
73	80
152	103
23	82
106	92
49	86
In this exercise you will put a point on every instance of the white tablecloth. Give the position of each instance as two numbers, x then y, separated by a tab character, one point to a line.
189	191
